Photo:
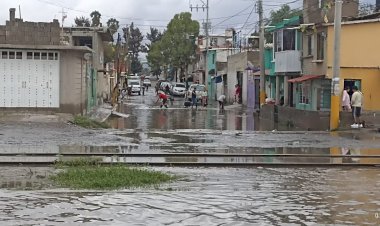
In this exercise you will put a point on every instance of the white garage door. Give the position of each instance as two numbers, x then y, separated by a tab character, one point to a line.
29	78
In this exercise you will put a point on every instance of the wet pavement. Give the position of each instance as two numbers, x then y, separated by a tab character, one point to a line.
206	195
211	196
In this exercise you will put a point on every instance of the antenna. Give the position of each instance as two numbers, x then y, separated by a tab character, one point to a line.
64	16
19	11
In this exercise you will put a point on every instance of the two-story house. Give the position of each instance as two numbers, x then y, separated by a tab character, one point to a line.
313	89
287	58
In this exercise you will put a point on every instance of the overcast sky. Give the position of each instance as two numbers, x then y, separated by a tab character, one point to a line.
145	13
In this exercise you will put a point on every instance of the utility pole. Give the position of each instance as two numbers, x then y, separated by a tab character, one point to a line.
335	100
261	48
205	6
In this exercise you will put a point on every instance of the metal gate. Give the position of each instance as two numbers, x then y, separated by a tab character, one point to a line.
29	78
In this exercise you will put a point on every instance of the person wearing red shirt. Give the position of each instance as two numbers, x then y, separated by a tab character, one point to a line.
164	98
237	93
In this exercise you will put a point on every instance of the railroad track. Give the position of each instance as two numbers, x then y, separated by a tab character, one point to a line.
195	159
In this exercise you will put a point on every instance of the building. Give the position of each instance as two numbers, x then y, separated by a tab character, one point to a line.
359	64
241	72
313	89
41	74
95	39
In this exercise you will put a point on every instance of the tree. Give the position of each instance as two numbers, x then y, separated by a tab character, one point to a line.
113	25
366	9
109	52
95	17
82	21
133	38
177	46
154	36
285	12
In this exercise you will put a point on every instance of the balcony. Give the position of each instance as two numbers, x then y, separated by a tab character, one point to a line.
288	61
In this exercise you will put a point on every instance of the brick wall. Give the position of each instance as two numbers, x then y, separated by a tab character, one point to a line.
19	32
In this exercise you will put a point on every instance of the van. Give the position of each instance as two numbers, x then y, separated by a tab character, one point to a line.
134	85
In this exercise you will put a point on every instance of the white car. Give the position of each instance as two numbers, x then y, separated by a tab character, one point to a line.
199	89
178	89
135	86
147	82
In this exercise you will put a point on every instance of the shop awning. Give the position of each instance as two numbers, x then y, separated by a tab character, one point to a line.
305	78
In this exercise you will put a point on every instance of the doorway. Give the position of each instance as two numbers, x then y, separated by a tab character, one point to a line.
350	83
239	79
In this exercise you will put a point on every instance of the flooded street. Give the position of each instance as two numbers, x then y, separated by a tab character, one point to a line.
233	170
211	196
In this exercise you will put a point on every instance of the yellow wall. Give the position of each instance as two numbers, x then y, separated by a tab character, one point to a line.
360	59
360	45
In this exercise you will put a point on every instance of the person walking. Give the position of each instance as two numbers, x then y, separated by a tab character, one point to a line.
194	99
204	98
221	100
346	105
164	99
356	103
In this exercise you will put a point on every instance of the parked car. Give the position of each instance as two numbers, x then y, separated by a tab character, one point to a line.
199	89
164	84
134	86
178	89
147	82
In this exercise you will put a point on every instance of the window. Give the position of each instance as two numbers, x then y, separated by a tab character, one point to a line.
214	42
12	55
51	56
29	55
309	45
43	56
321	46
19	55
55	56
213	58
278	40
4	55
289	42
304	91
36	55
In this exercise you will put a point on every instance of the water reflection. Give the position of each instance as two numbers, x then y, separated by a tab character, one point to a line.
212	196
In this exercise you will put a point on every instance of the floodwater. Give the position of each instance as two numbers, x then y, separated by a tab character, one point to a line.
211	196
205	194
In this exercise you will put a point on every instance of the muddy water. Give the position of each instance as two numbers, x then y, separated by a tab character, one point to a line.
212	196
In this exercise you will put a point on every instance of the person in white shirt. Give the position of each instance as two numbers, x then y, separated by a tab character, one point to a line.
346	100
356	103
221	101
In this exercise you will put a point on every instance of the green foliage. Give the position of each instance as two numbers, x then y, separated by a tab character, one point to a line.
95	17
86	122
109	52
366	9
82	21
176	46
113	25
109	177
154	36
285	12
133	38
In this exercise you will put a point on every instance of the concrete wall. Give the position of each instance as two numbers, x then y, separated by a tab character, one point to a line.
18	32
360	60
73	82
313	13
238	62
310	65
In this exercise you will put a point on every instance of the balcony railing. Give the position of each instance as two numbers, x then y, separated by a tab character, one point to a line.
288	61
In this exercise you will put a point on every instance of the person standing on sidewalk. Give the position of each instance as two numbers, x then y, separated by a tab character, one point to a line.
346	105
356	103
